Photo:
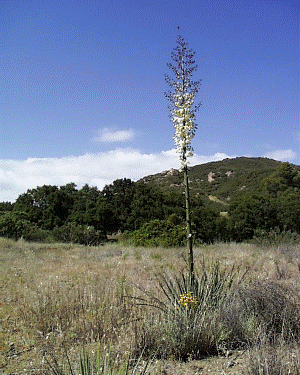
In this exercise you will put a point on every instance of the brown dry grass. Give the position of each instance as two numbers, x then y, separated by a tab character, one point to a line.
54	295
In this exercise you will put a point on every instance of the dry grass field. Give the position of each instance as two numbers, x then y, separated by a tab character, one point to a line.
105	308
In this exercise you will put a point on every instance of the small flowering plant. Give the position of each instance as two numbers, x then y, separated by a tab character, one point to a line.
189	301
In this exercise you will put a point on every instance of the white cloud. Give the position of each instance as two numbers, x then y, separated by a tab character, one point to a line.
282	155
16	176
107	135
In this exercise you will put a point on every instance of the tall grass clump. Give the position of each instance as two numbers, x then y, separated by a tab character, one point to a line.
266	359
73	310
275	237
99	363
264	309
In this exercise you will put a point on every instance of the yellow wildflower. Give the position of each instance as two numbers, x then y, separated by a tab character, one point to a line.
188	300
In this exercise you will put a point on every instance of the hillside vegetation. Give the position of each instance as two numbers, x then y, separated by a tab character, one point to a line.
232	200
228	179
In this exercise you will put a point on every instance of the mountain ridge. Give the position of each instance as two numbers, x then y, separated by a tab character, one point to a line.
219	182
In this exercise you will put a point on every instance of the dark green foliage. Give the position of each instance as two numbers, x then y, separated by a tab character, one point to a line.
170	232
91	208
247	198
33	233
288	208
250	213
286	176
6	206
147	205
174	203
205	224
13	225
84	207
47	206
17	225
82	234
119	196
223	228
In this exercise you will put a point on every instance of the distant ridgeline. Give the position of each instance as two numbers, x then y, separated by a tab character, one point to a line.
232	200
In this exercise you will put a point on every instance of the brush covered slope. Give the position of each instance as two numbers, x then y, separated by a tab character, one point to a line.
219	182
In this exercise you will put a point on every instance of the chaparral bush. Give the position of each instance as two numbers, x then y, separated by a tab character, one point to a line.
163	233
81	234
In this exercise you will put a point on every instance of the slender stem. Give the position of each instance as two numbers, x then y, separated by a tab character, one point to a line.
189	227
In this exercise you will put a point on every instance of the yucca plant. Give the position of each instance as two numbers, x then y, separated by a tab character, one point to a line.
182	112
188	320
210	288
107	363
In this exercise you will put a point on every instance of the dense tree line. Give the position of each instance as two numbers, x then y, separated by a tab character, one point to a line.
86	215
148	215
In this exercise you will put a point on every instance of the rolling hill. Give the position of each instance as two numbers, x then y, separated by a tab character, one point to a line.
219	182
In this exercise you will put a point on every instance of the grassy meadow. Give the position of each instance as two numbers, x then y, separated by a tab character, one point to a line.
70	309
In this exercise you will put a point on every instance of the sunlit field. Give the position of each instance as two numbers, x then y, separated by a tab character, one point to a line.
119	310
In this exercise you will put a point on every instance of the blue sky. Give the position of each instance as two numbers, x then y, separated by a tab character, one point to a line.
82	86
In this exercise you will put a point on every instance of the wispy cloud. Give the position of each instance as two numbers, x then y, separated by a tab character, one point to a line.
16	176
108	135
282	155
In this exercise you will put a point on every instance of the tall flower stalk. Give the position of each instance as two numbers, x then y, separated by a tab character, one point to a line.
182	112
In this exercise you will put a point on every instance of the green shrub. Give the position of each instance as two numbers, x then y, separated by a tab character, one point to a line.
163	233
275	237
265	309
13	225
82	234
16	225
35	234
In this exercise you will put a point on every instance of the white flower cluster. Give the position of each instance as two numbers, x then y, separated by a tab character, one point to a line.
183	121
